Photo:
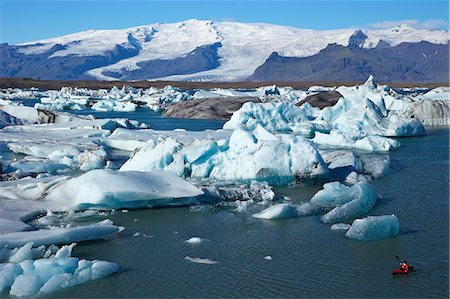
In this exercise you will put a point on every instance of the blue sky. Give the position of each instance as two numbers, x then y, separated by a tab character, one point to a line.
30	20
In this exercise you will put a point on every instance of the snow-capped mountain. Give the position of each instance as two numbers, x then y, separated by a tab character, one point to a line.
190	50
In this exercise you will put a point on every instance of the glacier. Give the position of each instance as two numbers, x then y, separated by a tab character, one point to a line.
245	46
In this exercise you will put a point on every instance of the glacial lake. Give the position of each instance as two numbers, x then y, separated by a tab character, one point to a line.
308	258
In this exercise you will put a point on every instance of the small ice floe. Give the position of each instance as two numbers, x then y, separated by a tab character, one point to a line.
340	226
198	260
279	211
374	228
268	258
139	234
194	240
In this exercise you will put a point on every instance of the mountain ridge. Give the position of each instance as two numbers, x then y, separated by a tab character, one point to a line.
158	51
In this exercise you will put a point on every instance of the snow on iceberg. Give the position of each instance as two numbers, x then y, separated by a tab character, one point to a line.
279	211
125	189
374	228
257	155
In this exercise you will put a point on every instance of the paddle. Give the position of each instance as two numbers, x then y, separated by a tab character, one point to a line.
398	258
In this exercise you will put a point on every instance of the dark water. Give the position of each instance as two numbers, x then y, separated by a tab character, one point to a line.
158	122
309	259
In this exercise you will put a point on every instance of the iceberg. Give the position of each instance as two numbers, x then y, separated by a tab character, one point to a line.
58	236
7	119
374	228
369	143
125	189
257	155
352	202
46	275
274	117
279	211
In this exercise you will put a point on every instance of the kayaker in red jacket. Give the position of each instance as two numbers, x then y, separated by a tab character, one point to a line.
404	266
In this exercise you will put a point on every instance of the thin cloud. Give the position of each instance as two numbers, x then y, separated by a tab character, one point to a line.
426	24
227	19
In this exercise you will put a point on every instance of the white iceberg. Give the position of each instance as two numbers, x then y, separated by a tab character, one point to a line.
374	228
125	189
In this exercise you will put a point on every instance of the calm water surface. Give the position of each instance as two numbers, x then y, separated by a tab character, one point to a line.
309	259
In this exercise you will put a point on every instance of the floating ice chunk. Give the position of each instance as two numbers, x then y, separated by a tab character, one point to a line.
370	143
268	258
375	165
198	260
124	189
110	105
279	211
274	117
374	228
56	236
257	155
401	126
354	178
194	240
332	195
260	192
362	200
39	167
340	226
46	275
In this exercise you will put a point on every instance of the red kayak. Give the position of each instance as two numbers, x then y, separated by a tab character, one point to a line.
401	271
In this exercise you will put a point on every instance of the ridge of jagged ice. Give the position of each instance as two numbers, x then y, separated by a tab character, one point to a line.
358	120
34	271
374	228
125	189
256	155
